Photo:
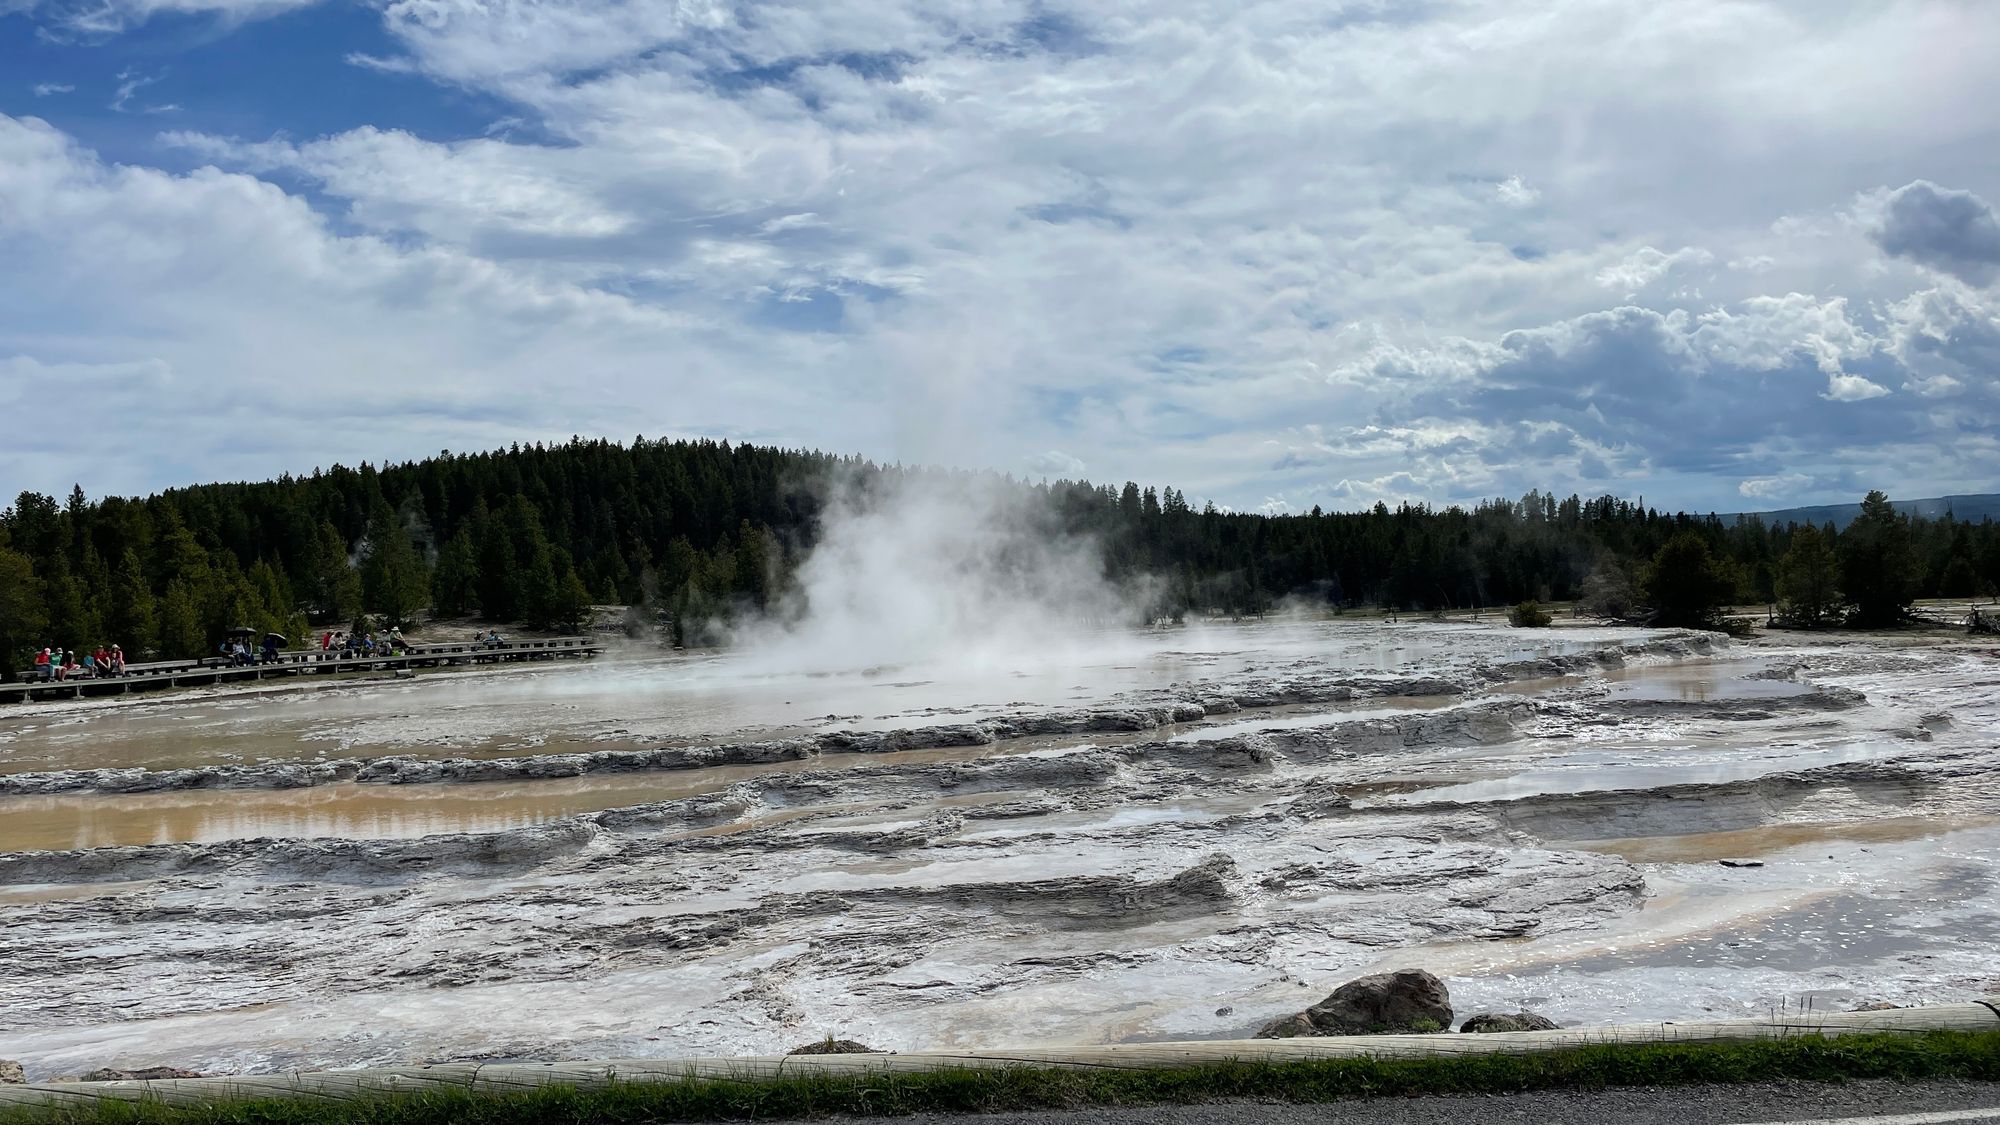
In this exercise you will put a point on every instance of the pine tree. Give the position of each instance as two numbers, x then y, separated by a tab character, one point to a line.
392	576
570	608
455	582
1878	568
537	590
133	621
1959	579
23	616
181	633
336	587
1687	586
73	619
753	565
1808	580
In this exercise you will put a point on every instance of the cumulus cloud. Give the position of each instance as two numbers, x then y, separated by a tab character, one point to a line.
971	231
49	89
1769	332
1946	338
1954	232
1853	388
320	347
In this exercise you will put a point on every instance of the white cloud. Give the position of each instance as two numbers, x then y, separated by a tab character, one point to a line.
395	181
1853	388
48	89
130	82
1774	488
1438	251
1056	463
1646	265
95	19
1515	192
317	347
1768	332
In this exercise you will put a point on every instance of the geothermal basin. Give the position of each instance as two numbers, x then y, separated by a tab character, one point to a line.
1140	836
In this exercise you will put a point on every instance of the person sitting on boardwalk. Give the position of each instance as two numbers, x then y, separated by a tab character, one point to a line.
103	660
270	654
494	639
117	661
90	665
45	668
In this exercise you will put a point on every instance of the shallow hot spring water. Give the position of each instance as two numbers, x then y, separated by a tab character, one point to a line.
1537	817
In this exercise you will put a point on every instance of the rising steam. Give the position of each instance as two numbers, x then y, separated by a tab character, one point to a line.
941	572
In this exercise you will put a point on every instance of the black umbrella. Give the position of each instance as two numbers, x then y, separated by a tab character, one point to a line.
242	631
278	637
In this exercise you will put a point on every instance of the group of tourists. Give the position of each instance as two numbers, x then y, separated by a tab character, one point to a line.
236	651
52	664
390	643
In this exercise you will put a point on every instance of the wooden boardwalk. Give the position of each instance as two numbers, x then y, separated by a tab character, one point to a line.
165	674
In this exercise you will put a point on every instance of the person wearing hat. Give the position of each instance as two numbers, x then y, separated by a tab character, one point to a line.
117	661
45	668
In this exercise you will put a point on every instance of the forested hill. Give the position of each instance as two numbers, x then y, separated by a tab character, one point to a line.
704	529
1969	509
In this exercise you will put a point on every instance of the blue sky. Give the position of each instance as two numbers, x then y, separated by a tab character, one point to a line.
1727	254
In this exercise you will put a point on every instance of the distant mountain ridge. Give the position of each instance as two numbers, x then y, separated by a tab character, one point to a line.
1970	508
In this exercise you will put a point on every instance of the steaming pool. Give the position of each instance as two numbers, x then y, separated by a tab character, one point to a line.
1127	836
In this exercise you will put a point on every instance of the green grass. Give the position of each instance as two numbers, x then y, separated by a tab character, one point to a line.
1962	1055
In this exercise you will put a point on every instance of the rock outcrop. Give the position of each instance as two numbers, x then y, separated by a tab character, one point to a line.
1517	1021
144	1074
1407	1000
11	1073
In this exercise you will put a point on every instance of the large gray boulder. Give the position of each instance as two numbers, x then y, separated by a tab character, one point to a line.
1407	1000
1518	1021
11	1073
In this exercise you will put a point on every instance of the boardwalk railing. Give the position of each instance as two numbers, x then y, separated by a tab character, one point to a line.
299	662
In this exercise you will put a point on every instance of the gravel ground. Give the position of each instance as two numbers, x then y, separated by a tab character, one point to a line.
1702	1105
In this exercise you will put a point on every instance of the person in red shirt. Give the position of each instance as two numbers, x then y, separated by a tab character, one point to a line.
44	669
